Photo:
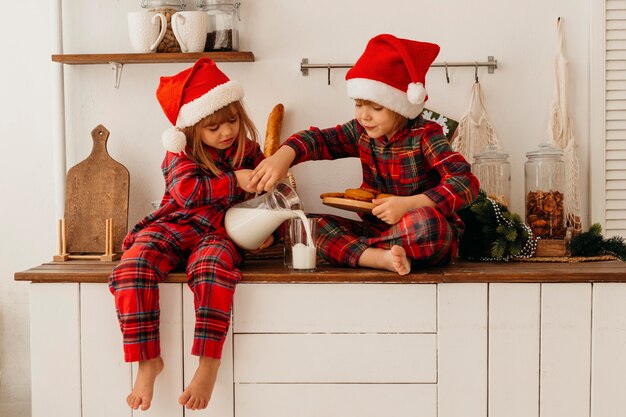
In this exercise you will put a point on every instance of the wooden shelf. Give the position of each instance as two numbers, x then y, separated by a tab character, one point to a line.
154	58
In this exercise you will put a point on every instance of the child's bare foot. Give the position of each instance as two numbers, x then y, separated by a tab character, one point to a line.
141	395
394	259
198	393
399	260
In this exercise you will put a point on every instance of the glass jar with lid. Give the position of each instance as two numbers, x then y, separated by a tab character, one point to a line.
493	171
544	172
168	8
223	32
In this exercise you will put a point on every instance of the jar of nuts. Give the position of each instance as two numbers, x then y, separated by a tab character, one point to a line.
223	32
493	171
544	179
168	8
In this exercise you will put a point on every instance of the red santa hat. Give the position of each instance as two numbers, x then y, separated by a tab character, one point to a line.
392	72
191	95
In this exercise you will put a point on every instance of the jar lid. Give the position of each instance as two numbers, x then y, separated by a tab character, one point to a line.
163	3
204	3
545	149
491	152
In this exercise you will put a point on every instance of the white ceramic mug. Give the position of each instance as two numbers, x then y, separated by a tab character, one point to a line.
146	30
190	30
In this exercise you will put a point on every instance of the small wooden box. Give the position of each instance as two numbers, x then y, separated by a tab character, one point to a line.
550	248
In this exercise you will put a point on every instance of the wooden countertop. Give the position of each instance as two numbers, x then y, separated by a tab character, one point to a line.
272	271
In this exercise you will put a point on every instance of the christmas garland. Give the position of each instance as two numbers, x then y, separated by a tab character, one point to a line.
592	243
493	233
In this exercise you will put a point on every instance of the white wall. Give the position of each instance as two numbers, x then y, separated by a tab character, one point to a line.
280	33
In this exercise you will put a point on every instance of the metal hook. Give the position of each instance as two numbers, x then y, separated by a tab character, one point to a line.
476	71
117	76
447	76
328	74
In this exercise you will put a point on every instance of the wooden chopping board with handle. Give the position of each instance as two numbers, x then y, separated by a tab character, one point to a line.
96	189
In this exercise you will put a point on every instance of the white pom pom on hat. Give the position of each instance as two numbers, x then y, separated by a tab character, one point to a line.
174	140
416	93
392	72
191	95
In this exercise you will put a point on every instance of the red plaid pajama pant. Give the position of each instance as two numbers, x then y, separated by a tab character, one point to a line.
212	275
427	236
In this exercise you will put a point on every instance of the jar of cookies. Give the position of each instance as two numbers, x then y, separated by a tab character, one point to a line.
168	8
544	183
493	171
223	32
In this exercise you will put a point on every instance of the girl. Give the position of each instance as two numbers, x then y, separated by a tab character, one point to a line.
211	151
401	154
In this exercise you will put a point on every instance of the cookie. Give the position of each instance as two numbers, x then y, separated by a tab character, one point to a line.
335	195
383	195
358	194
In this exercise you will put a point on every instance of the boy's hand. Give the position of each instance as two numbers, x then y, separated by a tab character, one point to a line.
243	180
272	169
391	209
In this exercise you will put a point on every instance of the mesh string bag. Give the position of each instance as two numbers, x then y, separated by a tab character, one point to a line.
475	128
561	135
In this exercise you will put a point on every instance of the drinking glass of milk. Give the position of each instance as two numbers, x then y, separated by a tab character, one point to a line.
300	238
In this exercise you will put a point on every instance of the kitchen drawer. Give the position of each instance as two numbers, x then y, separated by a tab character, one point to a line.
335	358
335	400
335	308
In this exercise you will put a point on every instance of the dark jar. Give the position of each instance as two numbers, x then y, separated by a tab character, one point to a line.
223	31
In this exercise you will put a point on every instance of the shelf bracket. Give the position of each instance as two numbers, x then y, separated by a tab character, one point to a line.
117	76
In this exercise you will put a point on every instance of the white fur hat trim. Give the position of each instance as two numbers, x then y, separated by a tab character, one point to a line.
174	140
207	104
385	95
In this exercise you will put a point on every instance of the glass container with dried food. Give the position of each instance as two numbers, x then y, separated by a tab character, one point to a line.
223	32
493	171
168	8
544	179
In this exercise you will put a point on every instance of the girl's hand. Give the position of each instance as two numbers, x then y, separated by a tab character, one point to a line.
243	180
272	169
268	242
391	209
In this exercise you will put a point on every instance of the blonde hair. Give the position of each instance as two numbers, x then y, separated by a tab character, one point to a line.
398	120
199	152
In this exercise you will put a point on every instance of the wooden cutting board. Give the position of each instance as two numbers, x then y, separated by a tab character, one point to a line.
97	189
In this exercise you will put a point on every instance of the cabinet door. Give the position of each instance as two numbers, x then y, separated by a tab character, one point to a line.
514	350
106	378
221	403
169	384
55	349
565	350
608	378
462	350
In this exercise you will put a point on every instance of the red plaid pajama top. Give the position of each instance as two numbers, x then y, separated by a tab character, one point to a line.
186	230
418	159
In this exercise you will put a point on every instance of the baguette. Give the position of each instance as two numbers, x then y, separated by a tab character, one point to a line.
272	134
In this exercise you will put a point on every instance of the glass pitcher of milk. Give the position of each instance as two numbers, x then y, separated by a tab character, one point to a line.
251	222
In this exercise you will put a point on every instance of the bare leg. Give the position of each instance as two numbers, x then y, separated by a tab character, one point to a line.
142	392
394	259
198	393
